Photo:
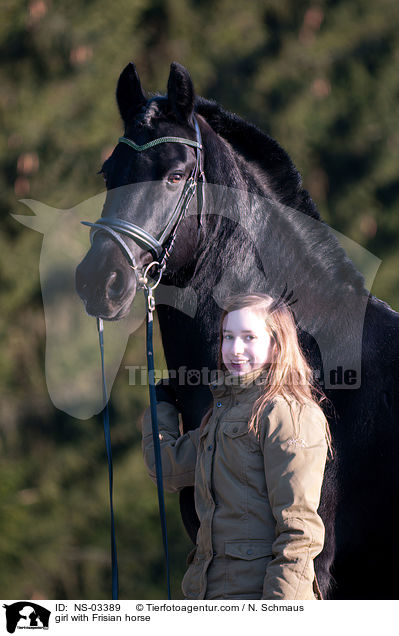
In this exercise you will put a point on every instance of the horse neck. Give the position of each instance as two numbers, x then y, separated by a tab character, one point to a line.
251	242
257	244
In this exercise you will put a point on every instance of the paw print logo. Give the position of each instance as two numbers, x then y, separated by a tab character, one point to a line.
193	377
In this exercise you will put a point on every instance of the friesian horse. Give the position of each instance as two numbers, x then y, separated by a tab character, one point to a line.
258	230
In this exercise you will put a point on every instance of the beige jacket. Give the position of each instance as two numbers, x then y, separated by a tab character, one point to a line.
256	495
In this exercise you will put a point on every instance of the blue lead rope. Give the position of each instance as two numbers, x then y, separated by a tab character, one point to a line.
107	435
157	446
155	435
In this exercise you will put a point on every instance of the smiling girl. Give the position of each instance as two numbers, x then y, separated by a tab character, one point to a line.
256	462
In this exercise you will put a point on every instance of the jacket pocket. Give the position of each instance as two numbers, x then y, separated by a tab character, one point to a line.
235	428
248	550
246	563
237	431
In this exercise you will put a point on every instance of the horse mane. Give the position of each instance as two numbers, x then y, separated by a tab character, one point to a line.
256	159
262	150
264	155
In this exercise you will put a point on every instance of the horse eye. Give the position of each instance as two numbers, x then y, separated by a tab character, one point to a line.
175	177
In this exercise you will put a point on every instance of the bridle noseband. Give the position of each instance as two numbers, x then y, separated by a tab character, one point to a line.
161	246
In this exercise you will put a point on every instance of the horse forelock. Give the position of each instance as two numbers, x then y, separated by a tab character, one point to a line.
150	113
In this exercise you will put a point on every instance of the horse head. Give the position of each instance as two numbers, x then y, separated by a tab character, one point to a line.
149	179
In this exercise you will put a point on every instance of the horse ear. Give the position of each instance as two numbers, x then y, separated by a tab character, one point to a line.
129	94
44	218
180	92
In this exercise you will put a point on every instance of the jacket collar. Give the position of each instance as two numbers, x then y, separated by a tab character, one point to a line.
239	385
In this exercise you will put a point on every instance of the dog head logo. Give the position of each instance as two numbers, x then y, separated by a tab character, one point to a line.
26	615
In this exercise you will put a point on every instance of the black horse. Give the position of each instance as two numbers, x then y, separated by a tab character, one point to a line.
259	231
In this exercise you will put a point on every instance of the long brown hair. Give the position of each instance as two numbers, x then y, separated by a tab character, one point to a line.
289	374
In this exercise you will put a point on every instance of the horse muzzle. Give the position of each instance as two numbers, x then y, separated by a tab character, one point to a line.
105	282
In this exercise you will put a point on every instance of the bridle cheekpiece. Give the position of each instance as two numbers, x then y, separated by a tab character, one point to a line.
161	246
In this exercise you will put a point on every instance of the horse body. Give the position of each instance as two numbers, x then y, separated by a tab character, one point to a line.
261	232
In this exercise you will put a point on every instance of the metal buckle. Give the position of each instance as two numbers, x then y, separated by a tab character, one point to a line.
143	280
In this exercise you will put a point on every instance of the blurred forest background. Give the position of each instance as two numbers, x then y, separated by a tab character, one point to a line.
321	77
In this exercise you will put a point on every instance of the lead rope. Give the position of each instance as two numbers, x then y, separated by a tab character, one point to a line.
107	435
155	430
150	303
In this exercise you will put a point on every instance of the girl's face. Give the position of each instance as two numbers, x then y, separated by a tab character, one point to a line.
246	344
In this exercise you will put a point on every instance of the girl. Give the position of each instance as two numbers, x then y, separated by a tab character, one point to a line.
256	462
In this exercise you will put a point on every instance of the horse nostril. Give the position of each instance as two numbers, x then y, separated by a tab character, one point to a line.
115	285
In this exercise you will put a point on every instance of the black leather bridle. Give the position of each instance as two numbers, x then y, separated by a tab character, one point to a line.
161	246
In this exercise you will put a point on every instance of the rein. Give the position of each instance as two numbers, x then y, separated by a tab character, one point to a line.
160	247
